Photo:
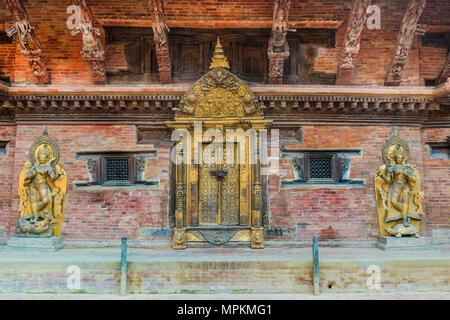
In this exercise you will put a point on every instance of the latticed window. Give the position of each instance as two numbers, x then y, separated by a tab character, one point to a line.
117	170
321	167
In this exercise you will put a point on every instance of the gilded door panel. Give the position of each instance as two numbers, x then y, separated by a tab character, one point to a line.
244	185
208	190
229	196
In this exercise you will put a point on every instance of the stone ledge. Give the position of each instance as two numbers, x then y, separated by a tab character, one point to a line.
35	243
405	243
225	270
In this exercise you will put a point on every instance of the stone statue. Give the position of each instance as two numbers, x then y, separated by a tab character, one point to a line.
397	191
42	191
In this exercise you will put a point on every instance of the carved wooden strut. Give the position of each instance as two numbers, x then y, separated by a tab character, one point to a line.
445	72
161	37
31	47
278	49
92	48
357	20
409	28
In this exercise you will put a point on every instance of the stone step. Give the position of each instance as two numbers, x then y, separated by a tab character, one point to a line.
225	271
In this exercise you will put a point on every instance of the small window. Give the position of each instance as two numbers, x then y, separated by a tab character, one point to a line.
321	167
113	169
117	170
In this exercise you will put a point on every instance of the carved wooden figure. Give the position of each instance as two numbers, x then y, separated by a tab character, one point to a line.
92	48
160	36
42	191
397	191
352	39
408	31
31	47
278	49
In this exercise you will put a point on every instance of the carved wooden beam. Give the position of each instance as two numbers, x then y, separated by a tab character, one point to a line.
356	21
92	48
214	24
278	49
161	37
409	28
31	47
445	72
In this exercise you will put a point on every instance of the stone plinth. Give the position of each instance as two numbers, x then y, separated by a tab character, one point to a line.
35	243
403	243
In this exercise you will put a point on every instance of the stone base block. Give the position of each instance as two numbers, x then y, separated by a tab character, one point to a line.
38	244
404	243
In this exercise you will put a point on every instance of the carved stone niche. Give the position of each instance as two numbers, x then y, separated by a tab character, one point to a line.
157	135
289	133
319	167
132	166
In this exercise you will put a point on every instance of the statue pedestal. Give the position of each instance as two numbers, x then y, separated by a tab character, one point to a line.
35	243
403	243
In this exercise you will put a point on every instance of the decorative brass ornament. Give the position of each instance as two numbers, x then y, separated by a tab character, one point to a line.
219	198
219	94
219	59
179	239
397	191
42	191
257	238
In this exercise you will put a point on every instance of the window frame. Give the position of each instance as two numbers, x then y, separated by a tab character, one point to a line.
131	170
321	154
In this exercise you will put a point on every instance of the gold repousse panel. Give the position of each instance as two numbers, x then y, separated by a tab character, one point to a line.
229	196
208	189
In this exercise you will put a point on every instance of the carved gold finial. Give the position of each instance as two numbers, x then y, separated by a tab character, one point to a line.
219	59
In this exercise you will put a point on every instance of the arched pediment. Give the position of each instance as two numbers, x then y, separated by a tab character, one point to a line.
219	94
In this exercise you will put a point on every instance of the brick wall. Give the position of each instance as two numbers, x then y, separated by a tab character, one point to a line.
436	184
7	60
329	213
338	213
98	214
431	62
6	177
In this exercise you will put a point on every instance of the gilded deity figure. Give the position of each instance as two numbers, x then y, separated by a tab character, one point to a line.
42	191
397	190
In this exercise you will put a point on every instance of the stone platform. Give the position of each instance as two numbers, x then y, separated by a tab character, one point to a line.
404	243
221	270
35	243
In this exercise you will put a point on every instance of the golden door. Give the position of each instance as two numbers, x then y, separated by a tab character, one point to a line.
219	186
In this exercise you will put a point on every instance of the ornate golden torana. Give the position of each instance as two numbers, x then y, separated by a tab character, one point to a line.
219	94
397	191
219	198
42	191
